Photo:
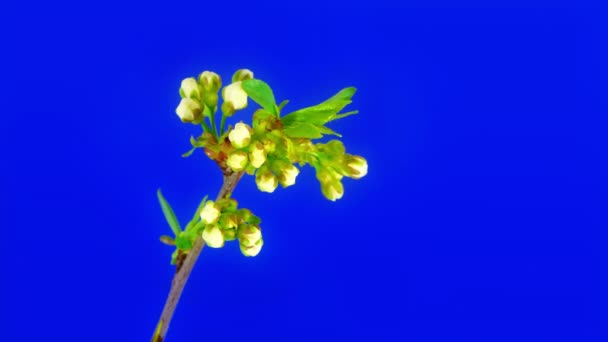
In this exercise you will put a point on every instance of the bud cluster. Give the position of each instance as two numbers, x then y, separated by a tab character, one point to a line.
222	221
199	97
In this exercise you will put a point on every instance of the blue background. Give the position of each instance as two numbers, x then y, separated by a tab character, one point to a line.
481	218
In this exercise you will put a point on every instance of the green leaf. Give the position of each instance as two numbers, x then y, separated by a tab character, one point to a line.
283	104
199	209
169	214
261	93
303	130
174	256
189	153
325	130
344	94
183	242
167	240
340	116
324	112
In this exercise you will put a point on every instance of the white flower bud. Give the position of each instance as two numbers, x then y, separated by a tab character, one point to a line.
190	89
211	81
288	175
237	161
240	135
357	167
188	110
333	190
235	95
210	213
253	250
242	75
249	235
266	182
257	156
213	236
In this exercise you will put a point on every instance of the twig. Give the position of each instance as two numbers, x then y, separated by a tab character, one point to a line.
183	273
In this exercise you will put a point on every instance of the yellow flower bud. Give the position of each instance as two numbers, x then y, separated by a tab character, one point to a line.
188	110
213	236
235	96
189	89
240	135
249	235
332	190
257	155
210	213
288	175
237	161
357	167
252	250
242	75
266	181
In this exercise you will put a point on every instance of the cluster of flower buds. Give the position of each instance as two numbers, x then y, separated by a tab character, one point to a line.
199	97
223	221
262	152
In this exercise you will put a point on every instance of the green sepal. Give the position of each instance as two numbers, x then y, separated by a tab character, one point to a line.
169	214
261	93
254	220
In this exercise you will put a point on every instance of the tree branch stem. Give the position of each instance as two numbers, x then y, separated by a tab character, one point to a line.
181	276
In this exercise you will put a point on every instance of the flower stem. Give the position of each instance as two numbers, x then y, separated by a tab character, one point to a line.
213	125
183	273
222	124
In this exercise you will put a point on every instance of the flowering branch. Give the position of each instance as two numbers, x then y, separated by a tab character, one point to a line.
268	150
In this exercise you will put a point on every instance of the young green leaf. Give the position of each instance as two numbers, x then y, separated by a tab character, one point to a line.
340	116
323	112
283	104
183	242
261	93
326	130
167	240
169	214
303	130
189	153
199	209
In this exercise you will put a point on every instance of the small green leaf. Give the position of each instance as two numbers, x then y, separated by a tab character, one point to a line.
283	104
189	153
169	214
324	112
167	240
325	130
344	94
303	130
174	256
340	116
199	209
183	242
261	93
